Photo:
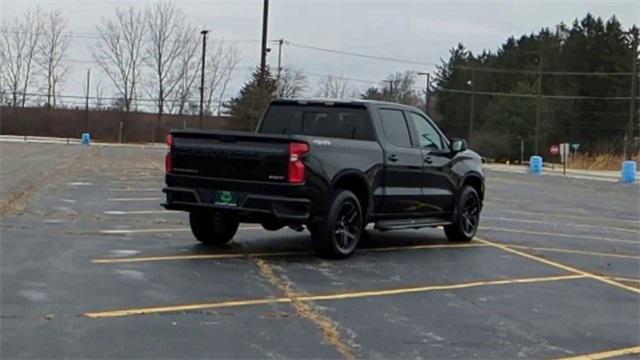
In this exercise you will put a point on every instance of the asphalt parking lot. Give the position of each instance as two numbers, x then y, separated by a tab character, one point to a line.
92	267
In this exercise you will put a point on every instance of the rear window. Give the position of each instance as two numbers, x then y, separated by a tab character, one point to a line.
344	122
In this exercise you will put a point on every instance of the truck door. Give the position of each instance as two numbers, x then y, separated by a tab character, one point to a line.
437	182
403	167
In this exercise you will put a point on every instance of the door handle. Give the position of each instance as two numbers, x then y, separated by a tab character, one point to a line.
428	160
393	157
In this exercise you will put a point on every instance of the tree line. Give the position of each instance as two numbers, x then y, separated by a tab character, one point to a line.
582	72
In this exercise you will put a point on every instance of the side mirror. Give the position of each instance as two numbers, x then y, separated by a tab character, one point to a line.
458	145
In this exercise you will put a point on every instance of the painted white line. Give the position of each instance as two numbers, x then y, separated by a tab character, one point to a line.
142	231
552	234
159	230
79	183
528	221
141	212
566	216
135	190
136	199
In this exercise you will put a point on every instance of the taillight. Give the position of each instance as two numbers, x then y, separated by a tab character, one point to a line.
296	166
168	159
168	162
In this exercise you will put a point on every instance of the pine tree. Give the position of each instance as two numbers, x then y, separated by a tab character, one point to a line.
254	97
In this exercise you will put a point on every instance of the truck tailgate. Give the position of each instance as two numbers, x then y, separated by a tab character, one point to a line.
231	155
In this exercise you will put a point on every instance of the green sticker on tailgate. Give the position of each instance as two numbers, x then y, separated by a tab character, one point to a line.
226	198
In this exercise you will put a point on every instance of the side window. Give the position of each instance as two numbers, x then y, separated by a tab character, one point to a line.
427	135
395	127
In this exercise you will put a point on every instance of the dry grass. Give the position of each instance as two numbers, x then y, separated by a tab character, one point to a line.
598	162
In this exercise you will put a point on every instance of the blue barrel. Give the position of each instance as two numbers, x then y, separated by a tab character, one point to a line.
86	139
629	172
535	165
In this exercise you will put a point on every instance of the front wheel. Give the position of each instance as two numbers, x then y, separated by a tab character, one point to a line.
212	227
338	235
466	217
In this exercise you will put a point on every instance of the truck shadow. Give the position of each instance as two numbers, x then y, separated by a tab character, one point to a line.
286	243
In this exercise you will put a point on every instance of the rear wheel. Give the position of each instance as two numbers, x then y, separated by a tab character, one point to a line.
339	234
466	218
212	227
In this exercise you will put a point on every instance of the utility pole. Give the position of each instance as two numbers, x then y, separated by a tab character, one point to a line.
280	42
263	52
632	98
427	95
390	89
204	49
472	105
86	104
538	105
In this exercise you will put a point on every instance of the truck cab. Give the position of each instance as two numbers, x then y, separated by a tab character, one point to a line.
332	166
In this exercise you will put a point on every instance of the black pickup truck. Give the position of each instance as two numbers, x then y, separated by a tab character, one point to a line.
333	166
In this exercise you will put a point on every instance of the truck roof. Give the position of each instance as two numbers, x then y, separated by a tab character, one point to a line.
337	101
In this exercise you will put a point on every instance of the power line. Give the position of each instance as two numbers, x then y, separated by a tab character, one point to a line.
349	53
545	72
480	69
565	97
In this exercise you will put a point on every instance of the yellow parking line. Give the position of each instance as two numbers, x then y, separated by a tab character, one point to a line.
320	297
573	236
193	257
408	290
267	254
570	251
603	279
606	354
624	279
179	308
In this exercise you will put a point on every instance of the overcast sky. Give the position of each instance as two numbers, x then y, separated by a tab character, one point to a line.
423	31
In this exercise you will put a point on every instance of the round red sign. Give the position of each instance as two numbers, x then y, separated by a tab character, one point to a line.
554	150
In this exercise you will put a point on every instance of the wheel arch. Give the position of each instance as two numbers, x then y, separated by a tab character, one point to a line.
476	181
357	183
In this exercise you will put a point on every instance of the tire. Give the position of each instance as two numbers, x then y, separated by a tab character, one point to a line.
213	228
466	217
338	235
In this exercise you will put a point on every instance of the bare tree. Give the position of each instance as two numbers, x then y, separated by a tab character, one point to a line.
337	87
292	83
403	90
120	51
51	53
99	94
188	69
220	63
167	27
19	41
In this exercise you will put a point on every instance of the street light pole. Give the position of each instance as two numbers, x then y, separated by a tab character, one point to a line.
538	105
427	95
472	103
280	42
632	98
265	23
204	49
86	104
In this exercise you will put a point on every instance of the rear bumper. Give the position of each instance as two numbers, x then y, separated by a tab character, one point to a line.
284	208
